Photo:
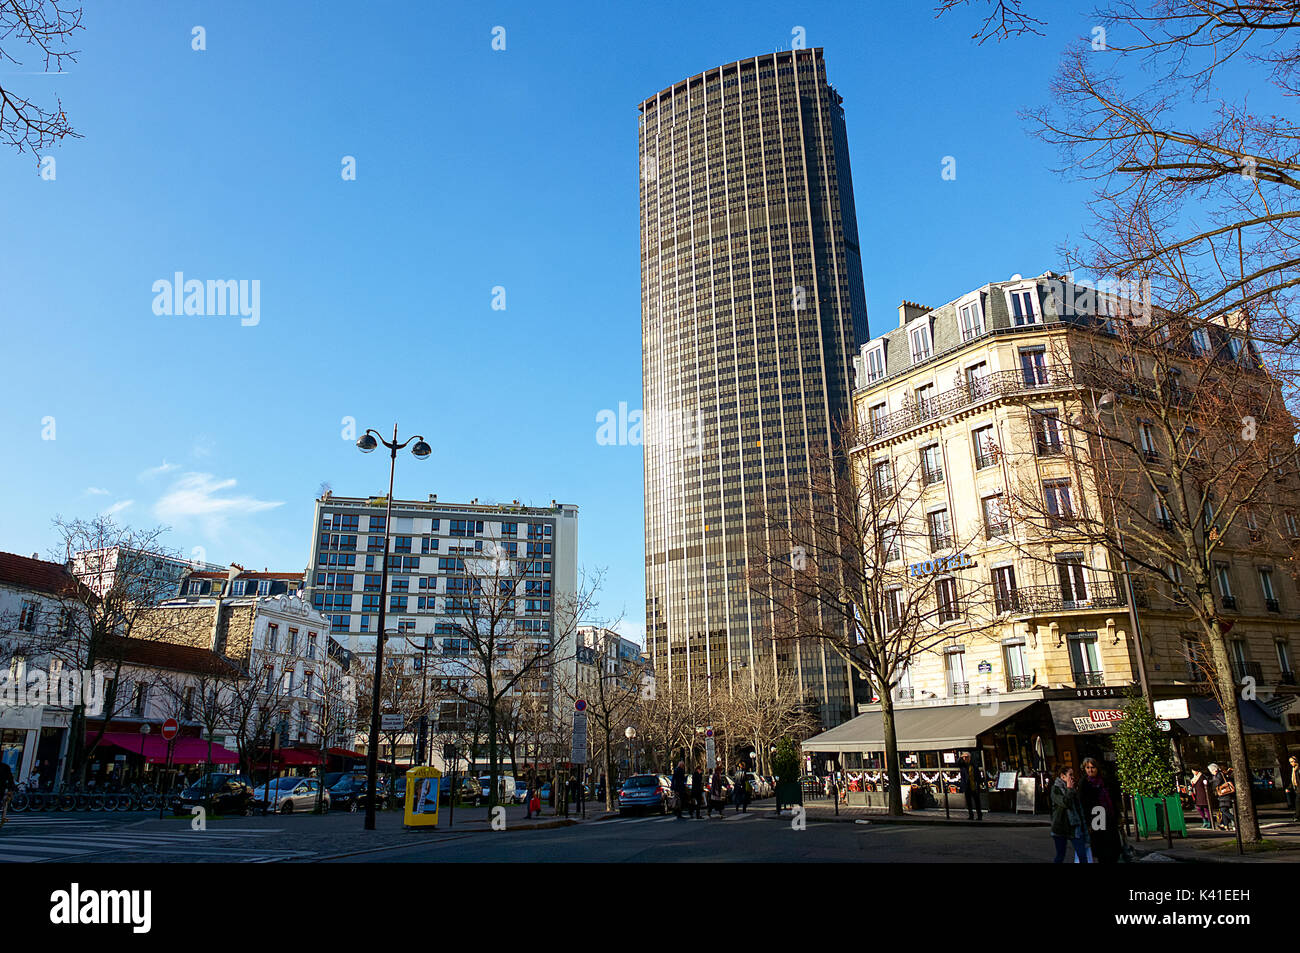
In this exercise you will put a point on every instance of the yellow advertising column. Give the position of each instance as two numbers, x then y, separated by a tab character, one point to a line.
423	785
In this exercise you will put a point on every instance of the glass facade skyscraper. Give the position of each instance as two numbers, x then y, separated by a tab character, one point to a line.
752	305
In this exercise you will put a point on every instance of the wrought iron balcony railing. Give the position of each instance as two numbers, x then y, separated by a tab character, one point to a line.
1272	605
1016	683
988	387
1229	602
992	530
1089	679
959	688
1096	595
1251	670
1287	678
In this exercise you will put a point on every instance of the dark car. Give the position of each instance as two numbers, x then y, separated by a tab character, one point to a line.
471	791
350	791
650	792
397	792
218	793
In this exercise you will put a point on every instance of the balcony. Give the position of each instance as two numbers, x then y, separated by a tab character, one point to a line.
1272	605
1229	602
906	694
992	530
959	688
988	387
1019	683
1286	678
1251	670
930	477
1089	679
1098	595
1006	602
1165	523
938	543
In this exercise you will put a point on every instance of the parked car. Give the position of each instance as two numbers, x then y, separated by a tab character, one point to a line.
758	786
286	795
349	793
219	793
521	790
471	792
650	792
397	792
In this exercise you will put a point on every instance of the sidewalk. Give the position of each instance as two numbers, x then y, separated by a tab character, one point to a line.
1277	826
824	810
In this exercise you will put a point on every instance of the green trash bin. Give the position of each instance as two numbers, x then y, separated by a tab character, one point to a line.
1149	819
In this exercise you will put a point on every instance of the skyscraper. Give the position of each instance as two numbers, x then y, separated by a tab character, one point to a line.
752	305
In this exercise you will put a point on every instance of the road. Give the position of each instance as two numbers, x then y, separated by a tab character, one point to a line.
735	838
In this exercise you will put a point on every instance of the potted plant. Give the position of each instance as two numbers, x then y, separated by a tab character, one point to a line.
1146	769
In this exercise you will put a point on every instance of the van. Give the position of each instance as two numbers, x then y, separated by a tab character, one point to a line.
506	788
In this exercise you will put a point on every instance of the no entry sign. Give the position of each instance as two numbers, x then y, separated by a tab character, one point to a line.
169	728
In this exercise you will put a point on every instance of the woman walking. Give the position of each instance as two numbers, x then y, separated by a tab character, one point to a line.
1200	788
1067	817
1100	797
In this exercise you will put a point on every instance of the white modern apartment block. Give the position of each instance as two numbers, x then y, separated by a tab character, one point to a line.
428	546
153	576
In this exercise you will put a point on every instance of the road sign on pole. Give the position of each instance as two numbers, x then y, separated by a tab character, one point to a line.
392	722
169	728
710	751
579	753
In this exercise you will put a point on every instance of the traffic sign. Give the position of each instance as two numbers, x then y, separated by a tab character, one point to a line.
708	732
580	705
391	722
146	728
578	754
169	728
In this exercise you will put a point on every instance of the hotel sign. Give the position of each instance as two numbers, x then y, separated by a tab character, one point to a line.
932	566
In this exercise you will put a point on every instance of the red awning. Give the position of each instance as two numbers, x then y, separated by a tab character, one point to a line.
345	753
154	748
291	756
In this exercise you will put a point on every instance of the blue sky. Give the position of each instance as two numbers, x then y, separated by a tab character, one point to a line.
475	168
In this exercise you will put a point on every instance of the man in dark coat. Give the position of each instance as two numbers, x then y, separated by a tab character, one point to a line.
697	790
1103	811
972	779
679	787
7	789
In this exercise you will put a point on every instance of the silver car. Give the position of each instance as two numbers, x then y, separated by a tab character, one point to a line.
287	795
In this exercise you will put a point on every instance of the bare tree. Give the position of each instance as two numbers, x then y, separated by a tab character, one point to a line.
47	26
1005	18
860	564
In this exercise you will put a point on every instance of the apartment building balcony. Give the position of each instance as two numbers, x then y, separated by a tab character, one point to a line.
994	529
1287	678
1272	605
958	688
1229	602
1251	670
1089	679
989	387
1097	595
1019	683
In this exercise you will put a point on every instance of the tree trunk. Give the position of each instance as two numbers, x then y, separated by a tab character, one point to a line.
1230	700
892	768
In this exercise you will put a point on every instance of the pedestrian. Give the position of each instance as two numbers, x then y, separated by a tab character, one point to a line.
1102	811
1067	817
697	791
528	800
742	788
1200	787
1224	790
1295	786
717	792
679	788
7	789
971	780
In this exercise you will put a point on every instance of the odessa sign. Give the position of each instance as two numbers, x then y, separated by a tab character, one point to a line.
930	566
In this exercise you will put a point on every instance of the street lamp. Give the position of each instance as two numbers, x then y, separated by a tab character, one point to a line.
630	735
421	451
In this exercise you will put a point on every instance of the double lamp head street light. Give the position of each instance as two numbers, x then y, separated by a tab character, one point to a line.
421	451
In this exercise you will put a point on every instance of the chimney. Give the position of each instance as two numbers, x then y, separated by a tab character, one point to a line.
909	311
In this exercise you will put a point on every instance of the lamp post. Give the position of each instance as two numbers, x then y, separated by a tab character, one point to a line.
630	735
421	451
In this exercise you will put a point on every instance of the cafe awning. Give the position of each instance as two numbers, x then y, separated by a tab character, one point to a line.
925	728
154	748
1205	717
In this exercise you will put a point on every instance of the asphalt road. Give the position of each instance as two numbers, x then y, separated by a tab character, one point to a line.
735	839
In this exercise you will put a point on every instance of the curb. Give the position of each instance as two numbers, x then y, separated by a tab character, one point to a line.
923	821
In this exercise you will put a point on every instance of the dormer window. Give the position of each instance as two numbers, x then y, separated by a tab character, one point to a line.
1024	307
876	364
919	336
970	319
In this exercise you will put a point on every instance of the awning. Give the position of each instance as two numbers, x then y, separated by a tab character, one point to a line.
1205	717
290	756
926	728
154	748
345	753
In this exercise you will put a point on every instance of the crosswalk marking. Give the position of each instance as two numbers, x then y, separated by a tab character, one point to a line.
36	843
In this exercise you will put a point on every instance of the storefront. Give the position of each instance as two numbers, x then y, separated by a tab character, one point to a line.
33	742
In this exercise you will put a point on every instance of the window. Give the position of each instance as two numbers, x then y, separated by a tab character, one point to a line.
1192	653
986	450
931	465
970	320
945	597
995	518
1266	586
187	703
977	380
264	587
1221	574
1018	674
27	617
890	543
1024	309
1147	441
140	700
1047	432
905	689
428	545
893	609
509	529
876	418
1033	366
1200	342
1292	525
272	638
954	666
1004	589
926	405
940	530
919	336
1284	660
1070	578
1164	519
1060	509
1083	659
882	478
875	364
